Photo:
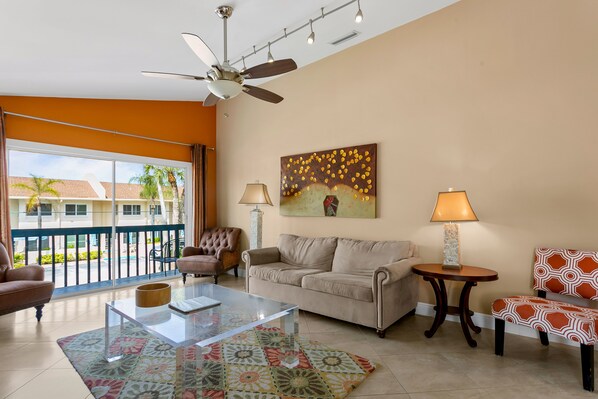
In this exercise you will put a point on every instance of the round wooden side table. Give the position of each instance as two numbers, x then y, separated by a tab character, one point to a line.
471	275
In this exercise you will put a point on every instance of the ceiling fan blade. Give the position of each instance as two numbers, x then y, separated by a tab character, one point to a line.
201	49
262	94
210	100
170	75
270	69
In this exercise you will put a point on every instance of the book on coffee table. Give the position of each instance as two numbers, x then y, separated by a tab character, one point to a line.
194	304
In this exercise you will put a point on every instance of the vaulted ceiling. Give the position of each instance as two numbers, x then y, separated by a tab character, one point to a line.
96	49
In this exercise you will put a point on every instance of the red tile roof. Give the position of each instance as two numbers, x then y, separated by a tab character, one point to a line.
79	189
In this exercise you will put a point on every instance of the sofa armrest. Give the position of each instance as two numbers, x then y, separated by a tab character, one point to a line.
260	256
30	272
388	274
190	251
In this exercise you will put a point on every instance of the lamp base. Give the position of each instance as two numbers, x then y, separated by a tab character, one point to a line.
452	253
255	229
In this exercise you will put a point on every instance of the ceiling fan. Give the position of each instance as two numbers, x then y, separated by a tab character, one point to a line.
223	80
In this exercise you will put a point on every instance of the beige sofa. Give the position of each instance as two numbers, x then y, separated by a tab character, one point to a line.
363	282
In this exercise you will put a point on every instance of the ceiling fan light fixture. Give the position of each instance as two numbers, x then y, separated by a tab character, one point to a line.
225	89
270	57
312	36
359	15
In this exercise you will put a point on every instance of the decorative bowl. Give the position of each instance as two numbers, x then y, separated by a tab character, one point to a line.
151	295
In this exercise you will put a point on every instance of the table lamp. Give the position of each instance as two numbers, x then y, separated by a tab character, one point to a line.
255	194
452	206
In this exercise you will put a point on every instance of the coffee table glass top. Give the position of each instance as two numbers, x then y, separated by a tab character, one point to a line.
237	312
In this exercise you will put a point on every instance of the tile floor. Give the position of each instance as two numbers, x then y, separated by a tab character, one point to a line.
410	365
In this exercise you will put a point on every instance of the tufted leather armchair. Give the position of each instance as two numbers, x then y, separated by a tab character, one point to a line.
218	252
22	288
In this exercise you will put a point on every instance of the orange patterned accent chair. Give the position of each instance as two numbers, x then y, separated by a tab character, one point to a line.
560	271
218	252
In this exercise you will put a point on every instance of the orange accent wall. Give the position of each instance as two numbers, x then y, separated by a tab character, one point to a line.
181	121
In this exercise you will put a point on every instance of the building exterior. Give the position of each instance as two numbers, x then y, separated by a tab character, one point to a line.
86	203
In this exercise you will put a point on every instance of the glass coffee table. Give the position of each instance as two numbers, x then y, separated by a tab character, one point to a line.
237	312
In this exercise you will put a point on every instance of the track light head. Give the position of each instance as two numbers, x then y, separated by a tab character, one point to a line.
270	58
244	66
312	36
359	15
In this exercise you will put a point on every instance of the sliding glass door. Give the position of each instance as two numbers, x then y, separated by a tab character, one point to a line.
94	219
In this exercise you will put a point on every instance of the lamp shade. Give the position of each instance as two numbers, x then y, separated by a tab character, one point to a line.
453	206
256	194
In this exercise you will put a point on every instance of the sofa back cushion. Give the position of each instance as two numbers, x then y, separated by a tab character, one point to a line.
364	257
315	253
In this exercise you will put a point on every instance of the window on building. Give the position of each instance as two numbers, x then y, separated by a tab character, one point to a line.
32	243
156	210
131	209
70	241
46	210
75	209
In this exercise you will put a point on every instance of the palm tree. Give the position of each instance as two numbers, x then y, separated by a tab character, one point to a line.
167	176
39	187
149	190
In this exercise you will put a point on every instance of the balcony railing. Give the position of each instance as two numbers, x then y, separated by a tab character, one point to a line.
78	256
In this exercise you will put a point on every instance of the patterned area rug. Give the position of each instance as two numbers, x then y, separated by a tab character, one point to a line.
246	366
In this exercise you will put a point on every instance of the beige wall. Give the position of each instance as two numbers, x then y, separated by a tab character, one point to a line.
497	97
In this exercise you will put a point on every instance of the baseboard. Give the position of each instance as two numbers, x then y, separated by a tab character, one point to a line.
487	321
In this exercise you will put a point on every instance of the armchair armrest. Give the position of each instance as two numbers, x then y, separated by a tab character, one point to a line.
30	272
190	251
388	274
260	256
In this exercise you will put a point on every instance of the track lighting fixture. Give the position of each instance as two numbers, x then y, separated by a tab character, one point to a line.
270	58
359	15
312	36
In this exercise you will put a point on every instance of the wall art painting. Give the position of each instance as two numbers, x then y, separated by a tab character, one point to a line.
335	183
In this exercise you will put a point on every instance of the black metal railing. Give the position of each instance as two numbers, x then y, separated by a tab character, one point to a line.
84	255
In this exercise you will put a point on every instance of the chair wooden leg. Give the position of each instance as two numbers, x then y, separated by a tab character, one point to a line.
38	312
499	336
587	367
237	271
184	277
543	338
216	279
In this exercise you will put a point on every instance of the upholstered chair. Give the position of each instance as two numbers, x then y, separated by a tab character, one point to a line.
218	252
560	271
22	288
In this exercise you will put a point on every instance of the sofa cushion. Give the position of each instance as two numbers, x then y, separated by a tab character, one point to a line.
364	257
18	294
313	253
341	284
200	264
281	273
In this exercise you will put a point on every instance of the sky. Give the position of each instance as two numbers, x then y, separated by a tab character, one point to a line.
68	168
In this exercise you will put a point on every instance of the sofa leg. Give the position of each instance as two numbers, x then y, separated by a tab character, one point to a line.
38	312
411	312
184	277
499	337
381	333
587	367
237	271
543	338
216	279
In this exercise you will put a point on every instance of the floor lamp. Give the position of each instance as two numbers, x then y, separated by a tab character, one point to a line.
255	194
